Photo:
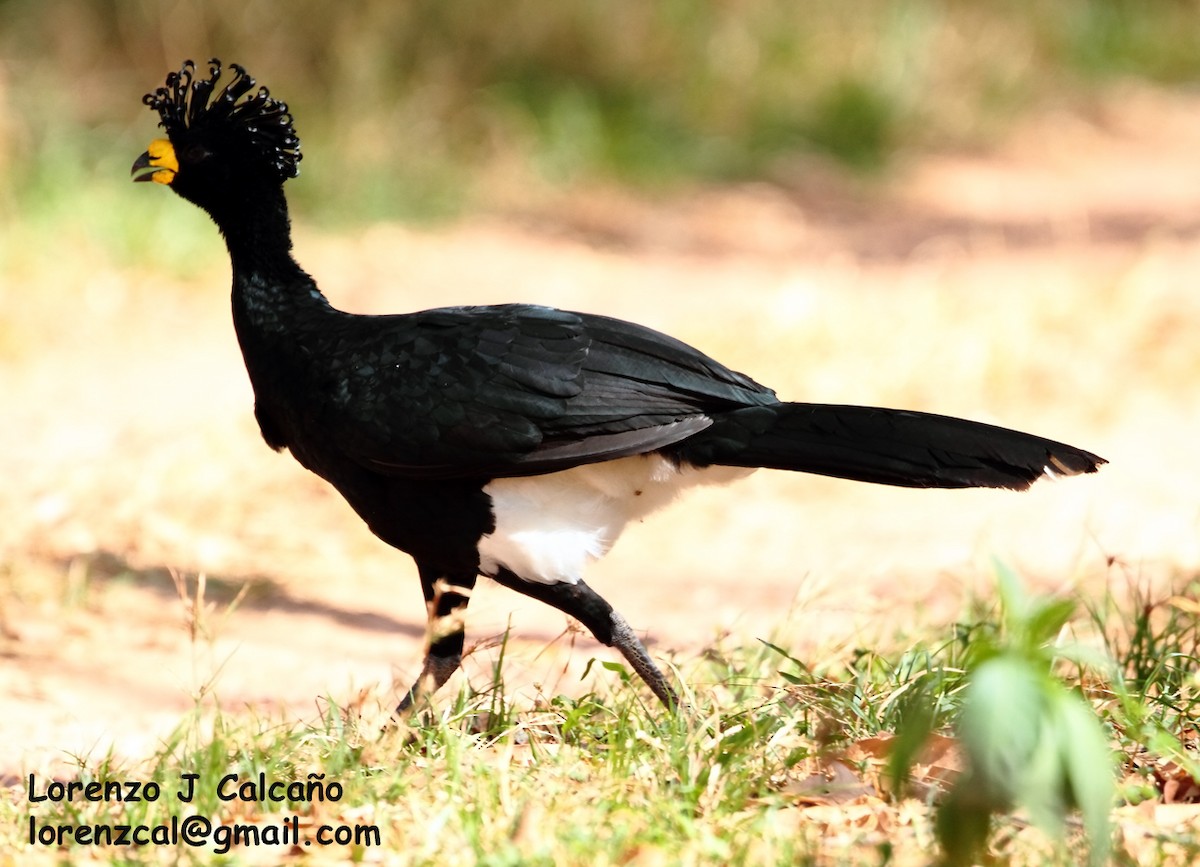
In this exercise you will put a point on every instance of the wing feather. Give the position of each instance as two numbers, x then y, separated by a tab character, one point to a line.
512	390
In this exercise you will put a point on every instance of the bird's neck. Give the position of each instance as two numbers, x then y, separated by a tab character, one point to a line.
270	290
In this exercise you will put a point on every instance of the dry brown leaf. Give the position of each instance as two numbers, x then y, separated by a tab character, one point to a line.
877	747
938	764
831	782
1174	782
865	814
1180	788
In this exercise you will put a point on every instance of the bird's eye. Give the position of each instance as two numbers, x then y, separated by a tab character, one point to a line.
194	153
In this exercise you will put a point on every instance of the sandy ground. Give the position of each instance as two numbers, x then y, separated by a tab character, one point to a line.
1049	287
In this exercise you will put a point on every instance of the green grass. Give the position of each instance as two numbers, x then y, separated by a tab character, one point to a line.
776	761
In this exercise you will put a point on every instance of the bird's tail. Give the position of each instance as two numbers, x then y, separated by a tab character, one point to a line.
885	446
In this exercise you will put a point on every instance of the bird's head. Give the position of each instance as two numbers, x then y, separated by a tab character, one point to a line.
218	141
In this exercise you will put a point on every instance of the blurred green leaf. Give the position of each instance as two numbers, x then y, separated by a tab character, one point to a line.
1046	620
1030	743
962	828
999	727
1088	766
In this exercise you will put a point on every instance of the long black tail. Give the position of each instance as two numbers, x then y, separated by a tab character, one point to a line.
886	446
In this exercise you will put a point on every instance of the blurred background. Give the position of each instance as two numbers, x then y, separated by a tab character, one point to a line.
425	108
986	208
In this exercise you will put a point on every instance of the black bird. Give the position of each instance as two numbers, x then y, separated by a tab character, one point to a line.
511	441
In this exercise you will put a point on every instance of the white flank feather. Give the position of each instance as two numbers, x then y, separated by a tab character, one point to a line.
549	527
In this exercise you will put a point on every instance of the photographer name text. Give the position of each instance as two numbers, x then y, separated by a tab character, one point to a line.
231	787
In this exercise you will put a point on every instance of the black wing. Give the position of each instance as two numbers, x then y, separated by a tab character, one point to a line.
511	390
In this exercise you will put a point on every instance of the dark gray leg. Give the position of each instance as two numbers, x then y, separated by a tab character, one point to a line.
603	621
446	602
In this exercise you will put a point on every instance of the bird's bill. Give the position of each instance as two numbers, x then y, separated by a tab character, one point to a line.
157	164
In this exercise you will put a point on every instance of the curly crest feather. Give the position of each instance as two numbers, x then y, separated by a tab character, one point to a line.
187	103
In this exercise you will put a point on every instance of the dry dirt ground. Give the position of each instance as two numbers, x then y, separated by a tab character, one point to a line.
1050	286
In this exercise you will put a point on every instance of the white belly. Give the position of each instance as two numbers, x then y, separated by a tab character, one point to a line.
548	528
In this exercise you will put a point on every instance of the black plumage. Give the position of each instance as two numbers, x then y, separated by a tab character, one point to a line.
442	428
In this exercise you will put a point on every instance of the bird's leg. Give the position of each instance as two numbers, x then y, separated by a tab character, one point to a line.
606	623
446	602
